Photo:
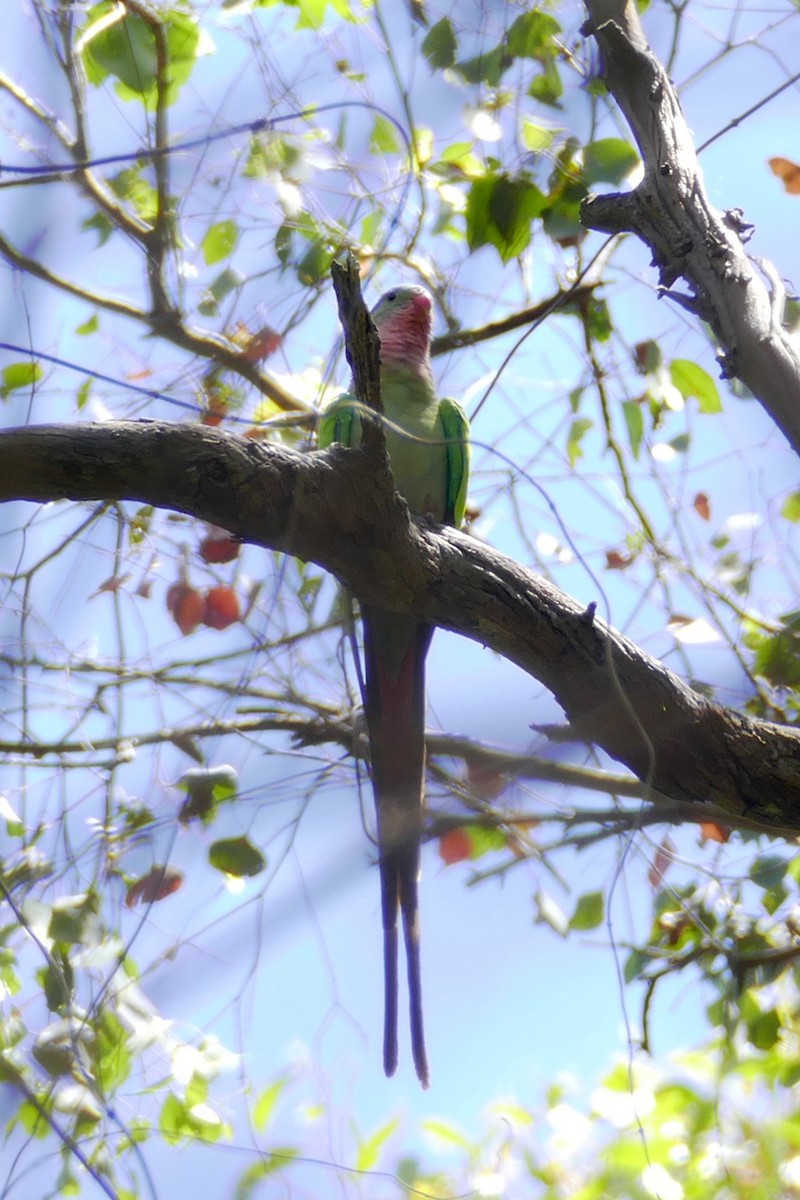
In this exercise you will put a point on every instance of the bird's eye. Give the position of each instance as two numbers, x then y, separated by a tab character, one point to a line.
390	296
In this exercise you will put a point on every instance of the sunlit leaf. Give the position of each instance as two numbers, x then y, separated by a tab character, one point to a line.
369	1151
536	136
692	381
267	1102
123	44
220	241
89	326
790	509
577	431
19	375
549	913
383	139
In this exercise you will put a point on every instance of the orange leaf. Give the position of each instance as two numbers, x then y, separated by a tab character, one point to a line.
712	831
788	172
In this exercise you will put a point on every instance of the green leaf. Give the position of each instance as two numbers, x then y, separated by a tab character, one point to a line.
634	419
89	326
383	139
140	523
56	980
692	380
315	264
369	1151
635	964
589	911
236	856
19	375
791	507
485	68
609	160
220	241
577	431
70	915
532	34
447	1132
279	1158
778	657
500	210
126	49
130	186
266	1103
206	788
102	224
768	870
440	45
215	293
547	88
681	443
112	1058
283	244
536	136
763	1030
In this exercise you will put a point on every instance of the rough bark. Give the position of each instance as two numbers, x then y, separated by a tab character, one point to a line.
335	509
688	237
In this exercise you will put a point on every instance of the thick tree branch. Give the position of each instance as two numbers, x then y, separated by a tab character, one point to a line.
670	212
332	508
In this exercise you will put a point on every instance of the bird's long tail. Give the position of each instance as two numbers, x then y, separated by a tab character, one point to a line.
394	649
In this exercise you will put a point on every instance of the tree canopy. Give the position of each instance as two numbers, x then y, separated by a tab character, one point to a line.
183	185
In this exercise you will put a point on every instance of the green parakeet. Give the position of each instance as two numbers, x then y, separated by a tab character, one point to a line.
427	442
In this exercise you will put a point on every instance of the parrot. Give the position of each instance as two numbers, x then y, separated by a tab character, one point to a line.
427	440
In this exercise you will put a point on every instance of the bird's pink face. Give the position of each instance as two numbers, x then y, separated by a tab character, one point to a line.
404	318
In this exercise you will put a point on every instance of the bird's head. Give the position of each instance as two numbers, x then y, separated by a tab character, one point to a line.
403	317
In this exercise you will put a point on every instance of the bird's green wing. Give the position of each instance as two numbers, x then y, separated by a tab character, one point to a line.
340	423
455	427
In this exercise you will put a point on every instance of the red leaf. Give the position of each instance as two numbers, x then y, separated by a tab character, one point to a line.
157	884
662	860
454	846
186	606
486	782
221	607
616	561
702	506
219	549
112	585
260	345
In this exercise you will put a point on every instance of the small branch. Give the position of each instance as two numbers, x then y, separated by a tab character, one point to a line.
690	239
159	238
576	296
